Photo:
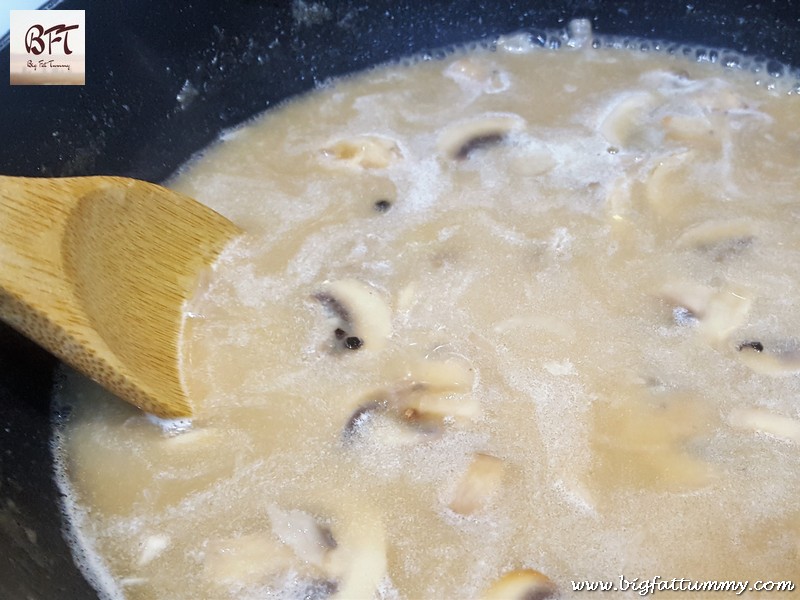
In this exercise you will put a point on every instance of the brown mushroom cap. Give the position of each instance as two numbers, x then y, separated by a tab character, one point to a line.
522	584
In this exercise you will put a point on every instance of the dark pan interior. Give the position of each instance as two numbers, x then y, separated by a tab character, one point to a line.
164	78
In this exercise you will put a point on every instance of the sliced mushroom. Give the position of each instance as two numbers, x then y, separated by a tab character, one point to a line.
359	560
309	540
625	122
361	418
752	345
402	429
719	312
725	313
665	189
522	584
429	406
386	418
644	440
688	128
442	375
702	121
415	409
482	480
693	297
719	237
350	564
365	152
476	73
362	312
618	199
438	389
531	159
460	139
776	364
247	559
756	419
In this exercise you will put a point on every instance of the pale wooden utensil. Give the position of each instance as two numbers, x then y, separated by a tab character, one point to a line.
96	270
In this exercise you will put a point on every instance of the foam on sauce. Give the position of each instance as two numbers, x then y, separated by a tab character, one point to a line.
513	308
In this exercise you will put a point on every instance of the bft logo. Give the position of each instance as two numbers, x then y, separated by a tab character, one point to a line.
34	38
48	47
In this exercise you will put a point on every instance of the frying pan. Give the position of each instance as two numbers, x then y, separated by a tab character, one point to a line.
165	78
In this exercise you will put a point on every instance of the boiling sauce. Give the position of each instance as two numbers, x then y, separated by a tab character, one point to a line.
515	309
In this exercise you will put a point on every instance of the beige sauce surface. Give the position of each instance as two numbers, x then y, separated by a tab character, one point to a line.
521	309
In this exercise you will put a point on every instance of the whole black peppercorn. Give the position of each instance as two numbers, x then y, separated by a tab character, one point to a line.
353	343
382	205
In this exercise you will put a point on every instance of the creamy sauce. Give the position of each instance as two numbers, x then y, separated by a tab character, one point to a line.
511	309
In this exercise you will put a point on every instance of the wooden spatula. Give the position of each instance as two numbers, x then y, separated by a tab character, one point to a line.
97	269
